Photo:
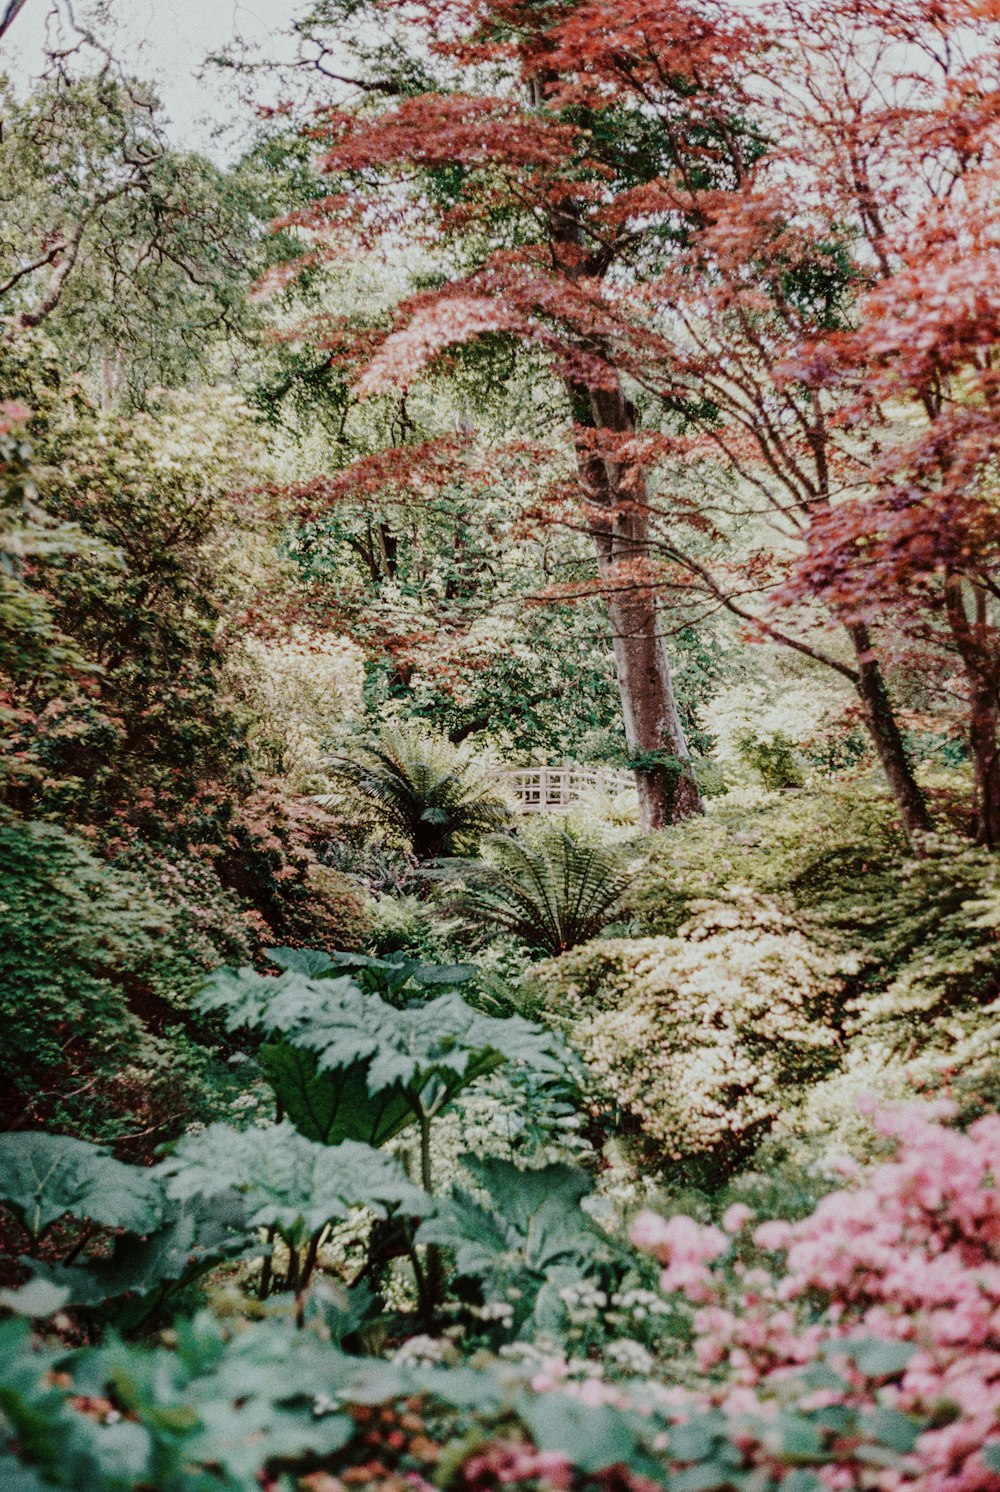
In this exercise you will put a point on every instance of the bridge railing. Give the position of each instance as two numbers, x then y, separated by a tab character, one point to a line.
551	789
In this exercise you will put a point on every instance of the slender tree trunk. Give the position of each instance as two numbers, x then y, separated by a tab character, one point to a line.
884	730
619	524
985	765
975	640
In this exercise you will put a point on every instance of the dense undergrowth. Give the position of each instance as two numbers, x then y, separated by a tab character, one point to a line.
391	1214
358	1127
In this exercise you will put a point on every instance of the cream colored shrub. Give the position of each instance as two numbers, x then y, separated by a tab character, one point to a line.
705	1037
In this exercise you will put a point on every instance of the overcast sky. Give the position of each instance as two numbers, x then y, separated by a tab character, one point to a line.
167	41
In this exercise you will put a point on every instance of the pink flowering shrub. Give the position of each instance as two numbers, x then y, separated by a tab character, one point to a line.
885	1319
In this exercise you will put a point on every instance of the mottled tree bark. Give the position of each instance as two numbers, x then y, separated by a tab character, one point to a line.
880	718
619	524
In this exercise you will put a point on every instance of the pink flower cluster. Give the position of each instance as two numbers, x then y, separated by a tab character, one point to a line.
510	1462
12	414
910	1255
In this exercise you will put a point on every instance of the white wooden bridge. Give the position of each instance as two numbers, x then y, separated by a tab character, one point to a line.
552	789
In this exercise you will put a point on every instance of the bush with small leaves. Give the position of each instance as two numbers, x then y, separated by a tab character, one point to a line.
705	1038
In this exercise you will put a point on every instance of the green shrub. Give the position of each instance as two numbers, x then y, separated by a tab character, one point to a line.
99	965
813	849
773	759
706	1037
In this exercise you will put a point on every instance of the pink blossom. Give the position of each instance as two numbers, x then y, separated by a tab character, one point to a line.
772	1236
736	1217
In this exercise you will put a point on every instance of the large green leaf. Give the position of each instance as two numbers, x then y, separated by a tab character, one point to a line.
247	998
389	975
332	1106
314	963
444	1039
428	1051
287	1180
200	1232
532	1233
43	1177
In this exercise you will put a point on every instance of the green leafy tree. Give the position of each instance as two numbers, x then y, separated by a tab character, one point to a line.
135	257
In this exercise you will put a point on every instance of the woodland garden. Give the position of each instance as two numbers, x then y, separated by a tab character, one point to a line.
540	382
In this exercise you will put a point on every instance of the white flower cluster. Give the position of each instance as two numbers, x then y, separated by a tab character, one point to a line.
640	1304
500	1311
584	1303
422	1352
630	1357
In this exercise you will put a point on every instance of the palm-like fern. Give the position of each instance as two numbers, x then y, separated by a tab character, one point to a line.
421	784
551	895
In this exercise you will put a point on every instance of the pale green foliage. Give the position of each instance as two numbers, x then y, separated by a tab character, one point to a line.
820	850
286	1180
43	1177
433	793
772	758
551	894
530	1239
301	688
704	1037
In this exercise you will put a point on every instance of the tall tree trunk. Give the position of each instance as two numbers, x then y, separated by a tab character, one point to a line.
880	718
985	765
975	640
619	524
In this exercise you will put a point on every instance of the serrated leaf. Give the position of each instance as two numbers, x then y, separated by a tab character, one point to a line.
199	1233
287	1180
332	1106
312	962
533	1234
439	1045
408	1047
43	1177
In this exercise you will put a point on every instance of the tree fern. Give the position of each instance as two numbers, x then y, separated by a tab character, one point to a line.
551	895
421	784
